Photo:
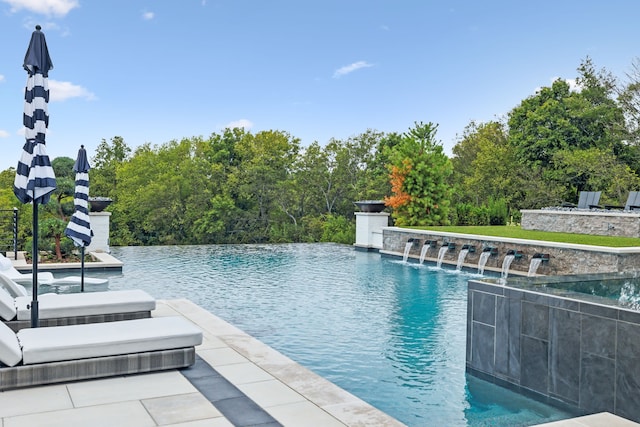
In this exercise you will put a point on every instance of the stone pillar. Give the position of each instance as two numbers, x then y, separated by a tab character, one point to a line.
100	227
369	227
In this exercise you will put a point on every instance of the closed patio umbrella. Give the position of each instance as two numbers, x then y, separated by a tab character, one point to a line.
35	179
79	227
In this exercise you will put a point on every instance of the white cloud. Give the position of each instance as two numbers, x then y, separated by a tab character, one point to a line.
242	123
148	16
45	7
61	91
350	68
1	78
4	134
573	85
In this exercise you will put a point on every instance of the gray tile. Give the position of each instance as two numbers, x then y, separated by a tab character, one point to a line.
535	364
482	347
226	397
598	336
484	308
514	327
564	357
501	350
242	411
486	287
630	316
597	383
628	371
535	320
599	310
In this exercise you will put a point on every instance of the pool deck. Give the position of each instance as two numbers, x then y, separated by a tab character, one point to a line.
237	381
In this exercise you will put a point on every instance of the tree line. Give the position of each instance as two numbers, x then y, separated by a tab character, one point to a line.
241	187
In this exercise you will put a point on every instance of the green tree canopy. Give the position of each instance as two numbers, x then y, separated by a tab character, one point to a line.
418	160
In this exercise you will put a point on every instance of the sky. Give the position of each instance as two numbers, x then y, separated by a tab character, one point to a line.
152	71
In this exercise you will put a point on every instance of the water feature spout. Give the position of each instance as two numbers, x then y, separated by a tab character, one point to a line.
451	246
536	260
441	253
470	248
506	264
407	249
484	257
533	266
461	256
492	251
516	254
428	244
543	257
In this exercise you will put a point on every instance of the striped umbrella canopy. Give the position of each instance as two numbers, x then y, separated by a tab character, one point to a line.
79	227
35	180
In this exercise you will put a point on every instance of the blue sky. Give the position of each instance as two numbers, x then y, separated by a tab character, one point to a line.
157	70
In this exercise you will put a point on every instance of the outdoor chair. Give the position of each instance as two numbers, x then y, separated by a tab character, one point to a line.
71	309
79	352
44	277
586	200
633	202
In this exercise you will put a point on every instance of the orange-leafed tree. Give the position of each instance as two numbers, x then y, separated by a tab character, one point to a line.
419	172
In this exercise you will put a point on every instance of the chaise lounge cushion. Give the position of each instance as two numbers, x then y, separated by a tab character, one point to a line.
41	345
7	306
13	288
10	352
53	306
5	263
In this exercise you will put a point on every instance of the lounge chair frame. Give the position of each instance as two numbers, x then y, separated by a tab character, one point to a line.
93	368
16	325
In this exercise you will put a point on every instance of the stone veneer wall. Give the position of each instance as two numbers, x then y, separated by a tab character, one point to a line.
610	223
567	351
564	258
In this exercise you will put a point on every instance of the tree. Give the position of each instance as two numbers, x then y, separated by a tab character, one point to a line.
56	213
629	101
558	118
267	161
421	194
108	157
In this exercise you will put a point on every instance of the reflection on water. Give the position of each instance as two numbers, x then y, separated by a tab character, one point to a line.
389	332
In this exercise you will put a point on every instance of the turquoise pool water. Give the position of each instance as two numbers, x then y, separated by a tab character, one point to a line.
389	332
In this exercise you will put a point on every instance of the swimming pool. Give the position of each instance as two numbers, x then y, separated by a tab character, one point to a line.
389	332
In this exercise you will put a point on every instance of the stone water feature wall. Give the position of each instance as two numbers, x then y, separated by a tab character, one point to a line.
594	221
563	258
567	351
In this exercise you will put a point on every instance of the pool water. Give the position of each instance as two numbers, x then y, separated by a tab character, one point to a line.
392	333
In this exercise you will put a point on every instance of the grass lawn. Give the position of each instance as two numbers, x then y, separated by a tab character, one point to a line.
516	232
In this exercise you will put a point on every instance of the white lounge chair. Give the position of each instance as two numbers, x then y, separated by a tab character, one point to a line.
69	353
44	277
71	309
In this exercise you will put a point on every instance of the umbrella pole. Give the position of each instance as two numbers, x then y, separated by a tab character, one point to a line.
82	270
34	275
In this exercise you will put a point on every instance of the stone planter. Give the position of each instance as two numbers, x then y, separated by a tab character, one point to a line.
371	206
98	204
